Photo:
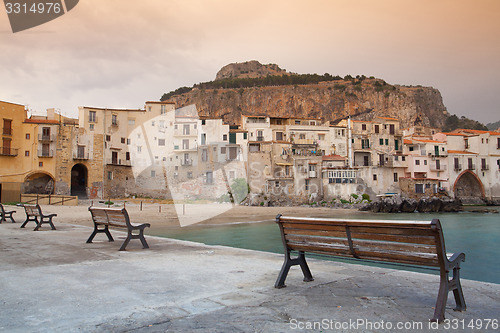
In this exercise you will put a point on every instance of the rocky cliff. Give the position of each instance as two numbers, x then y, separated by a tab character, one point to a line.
249	69
363	98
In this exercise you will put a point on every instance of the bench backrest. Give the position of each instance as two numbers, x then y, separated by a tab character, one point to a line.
32	210
407	242
114	217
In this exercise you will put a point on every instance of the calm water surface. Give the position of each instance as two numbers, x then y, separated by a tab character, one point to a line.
475	234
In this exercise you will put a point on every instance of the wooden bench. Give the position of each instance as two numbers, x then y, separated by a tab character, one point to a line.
407	242
4	214
34	213
116	218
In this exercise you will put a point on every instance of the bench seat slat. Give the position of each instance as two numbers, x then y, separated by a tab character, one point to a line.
360	223
395	236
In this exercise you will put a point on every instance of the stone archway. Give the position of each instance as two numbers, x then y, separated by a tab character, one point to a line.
38	183
79	176
468	185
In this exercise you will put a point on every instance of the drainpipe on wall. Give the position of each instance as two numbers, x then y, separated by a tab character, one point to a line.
349	141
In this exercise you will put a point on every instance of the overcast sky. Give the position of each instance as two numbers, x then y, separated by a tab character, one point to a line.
121	53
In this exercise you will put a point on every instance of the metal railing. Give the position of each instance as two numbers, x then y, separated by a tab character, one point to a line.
8	151
80	156
44	137
45	153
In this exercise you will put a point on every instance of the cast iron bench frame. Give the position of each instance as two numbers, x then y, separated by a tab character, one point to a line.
405	242
4	214
116	218
34	213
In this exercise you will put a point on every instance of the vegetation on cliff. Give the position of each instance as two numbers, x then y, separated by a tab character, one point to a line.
453	122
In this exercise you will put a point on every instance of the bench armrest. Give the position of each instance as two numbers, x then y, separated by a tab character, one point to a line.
456	259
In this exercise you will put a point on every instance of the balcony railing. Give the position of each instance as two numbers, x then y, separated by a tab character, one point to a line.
7	131
8	151
434	167
484	167
43	137
182	132
471	167
93	119
80	155
458	167
45	153
118	162
187	162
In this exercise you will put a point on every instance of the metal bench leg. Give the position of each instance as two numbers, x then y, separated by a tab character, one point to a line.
125	243
457	291
51	224
38	224
442	298
143	240
11	217
25	222
305	268
96	231
300	260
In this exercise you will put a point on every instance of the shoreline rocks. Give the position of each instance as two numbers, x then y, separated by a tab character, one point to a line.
398	204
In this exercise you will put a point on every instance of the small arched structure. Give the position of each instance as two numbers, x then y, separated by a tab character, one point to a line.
468	185
38	182
79	176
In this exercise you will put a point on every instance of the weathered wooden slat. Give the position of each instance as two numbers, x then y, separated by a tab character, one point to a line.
310	226
426	240
315	232
395	246
393	231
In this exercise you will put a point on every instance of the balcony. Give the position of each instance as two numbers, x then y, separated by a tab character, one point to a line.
92	119
434	167
312	174
7	131
114	123
471	167
7	151
80	155
185	133
47	138
484	167
457	167
118	162
45	153
187	162
260	138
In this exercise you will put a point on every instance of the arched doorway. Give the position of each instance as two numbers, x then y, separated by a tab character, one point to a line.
38	183
468	185
79	181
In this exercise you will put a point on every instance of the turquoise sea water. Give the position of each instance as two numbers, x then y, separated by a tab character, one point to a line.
475	234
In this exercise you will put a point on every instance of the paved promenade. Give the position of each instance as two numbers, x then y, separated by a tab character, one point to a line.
52	281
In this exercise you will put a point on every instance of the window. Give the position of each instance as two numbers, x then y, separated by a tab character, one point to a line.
27	136
374	177
114	119
91	127
139	149
395	177
110	175
321	137
122	140
279	136
128	141
224	137
302	136
92	117
204	155
391	129
40	164
381	142
498	143
223	150
377	129
190	174
161	142
308	181
419	188
297	122
425	162
186	130
108	137
245	136
365	143
127	156
470	165
363	127
131	121
27	153
417	162
153	173
209	177
456	164
483	164
185	144
163	109
386	142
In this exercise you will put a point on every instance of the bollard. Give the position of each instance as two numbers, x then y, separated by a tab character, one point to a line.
141	206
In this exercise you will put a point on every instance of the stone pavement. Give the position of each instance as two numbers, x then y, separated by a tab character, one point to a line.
52	281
